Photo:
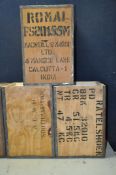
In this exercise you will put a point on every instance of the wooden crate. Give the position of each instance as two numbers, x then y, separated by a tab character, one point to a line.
28	114
47	43
80	119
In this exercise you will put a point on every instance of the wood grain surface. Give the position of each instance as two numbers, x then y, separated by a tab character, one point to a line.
47	43
80	119
28	121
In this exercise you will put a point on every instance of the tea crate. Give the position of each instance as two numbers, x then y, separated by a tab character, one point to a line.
47	43
80	119
28	120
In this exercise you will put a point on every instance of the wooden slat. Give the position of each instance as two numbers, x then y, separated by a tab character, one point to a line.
47	43
2	129
2	138
80	119
28	120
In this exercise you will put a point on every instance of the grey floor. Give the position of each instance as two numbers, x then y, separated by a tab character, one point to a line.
77	166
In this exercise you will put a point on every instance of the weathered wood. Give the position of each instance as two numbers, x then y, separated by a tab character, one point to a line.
47	43
80	119
28	120
2	139
2	129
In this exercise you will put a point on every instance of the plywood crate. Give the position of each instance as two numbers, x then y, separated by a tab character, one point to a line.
28	118
80	119
47	43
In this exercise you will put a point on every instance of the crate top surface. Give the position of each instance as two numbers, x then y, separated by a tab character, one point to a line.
46	6
82	83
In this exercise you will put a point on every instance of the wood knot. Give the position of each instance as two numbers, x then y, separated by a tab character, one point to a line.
49	132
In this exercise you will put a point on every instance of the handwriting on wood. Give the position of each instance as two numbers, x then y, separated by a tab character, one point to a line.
28	114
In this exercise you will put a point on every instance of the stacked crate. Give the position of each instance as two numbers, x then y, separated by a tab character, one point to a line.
28	120
80	119
47	40
50	115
